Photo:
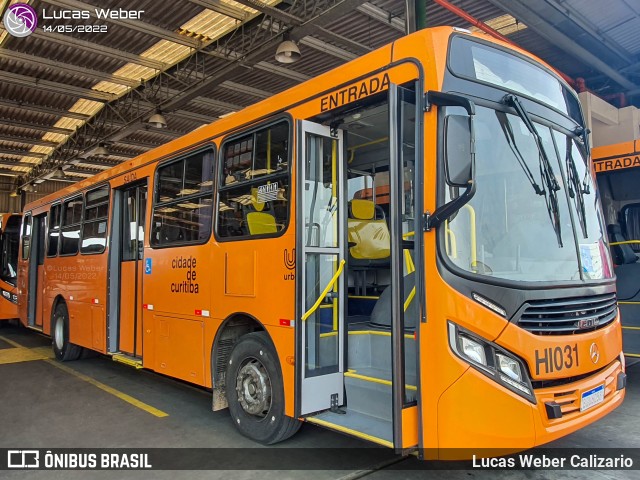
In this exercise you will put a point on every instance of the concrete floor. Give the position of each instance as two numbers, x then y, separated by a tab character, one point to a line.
44	406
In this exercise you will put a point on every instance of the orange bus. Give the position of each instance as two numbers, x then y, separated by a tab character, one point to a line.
9	241
618	173
408	249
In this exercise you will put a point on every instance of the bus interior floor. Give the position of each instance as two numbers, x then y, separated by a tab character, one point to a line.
96	403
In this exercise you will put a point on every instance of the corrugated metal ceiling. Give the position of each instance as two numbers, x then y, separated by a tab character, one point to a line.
80	64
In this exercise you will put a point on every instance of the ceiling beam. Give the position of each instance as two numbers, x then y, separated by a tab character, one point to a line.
543	28
9	103
67	68
281	71
223	8
171	134
382	16
247	90
78	44
27	140
35	126
21	153
55	87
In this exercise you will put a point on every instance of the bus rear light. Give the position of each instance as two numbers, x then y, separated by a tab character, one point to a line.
493	361
287	323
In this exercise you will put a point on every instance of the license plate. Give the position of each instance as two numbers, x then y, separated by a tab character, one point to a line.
591	398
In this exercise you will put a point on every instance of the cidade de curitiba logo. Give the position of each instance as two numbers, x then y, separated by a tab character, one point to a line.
20	20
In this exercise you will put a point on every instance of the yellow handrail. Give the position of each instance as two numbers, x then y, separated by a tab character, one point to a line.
325	291
353	149
626	242
410	269
450	244
407	255
472	233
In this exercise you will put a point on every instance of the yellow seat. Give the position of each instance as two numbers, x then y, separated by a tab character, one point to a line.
369	237
260	223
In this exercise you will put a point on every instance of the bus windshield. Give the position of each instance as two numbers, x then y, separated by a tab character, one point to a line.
507	230
9	250
487	64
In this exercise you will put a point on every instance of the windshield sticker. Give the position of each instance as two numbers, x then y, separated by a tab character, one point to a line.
591	260
268	192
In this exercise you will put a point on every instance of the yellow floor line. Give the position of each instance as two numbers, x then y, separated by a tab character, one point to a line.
117	393
636	355
24	354
18	355
11	342
630	328
355	433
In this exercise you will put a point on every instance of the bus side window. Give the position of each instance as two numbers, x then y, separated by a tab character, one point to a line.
70	229
26	237
94	225
183	203
54	230
254	183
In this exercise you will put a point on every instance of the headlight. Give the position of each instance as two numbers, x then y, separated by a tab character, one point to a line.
473	350
495	362
509	366
12	297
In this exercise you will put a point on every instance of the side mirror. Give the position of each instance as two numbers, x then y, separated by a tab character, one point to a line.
458	151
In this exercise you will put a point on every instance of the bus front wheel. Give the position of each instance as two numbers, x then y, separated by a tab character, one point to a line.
255	391
64	350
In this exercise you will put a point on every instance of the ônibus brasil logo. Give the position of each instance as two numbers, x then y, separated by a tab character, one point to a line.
20	20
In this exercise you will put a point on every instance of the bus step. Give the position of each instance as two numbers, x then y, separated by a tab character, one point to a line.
127	360
357	424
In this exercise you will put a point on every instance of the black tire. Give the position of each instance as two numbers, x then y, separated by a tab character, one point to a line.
254	363
64	350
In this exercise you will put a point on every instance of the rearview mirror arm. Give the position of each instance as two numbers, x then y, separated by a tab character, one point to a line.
448	209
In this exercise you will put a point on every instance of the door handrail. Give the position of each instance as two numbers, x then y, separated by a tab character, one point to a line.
325	291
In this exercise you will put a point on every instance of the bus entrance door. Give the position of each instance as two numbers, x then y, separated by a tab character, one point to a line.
128	237
321	288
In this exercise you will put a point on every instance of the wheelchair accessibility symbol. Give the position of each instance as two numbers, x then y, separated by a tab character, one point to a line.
147	266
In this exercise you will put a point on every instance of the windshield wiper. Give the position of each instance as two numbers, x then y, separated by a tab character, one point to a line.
511	141
549	182
576	189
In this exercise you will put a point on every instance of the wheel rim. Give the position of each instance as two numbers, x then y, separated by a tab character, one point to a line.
59	333
254	388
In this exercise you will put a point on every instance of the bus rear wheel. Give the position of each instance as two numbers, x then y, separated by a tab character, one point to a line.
255	391
64	350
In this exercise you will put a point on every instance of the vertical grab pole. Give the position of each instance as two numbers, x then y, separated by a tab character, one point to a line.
397	287
334	190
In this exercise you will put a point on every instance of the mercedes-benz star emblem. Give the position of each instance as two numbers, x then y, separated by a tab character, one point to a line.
594	353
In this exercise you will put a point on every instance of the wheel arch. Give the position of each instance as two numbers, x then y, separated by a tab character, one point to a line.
234	327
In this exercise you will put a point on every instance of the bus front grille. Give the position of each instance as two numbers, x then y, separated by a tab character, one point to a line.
567	316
